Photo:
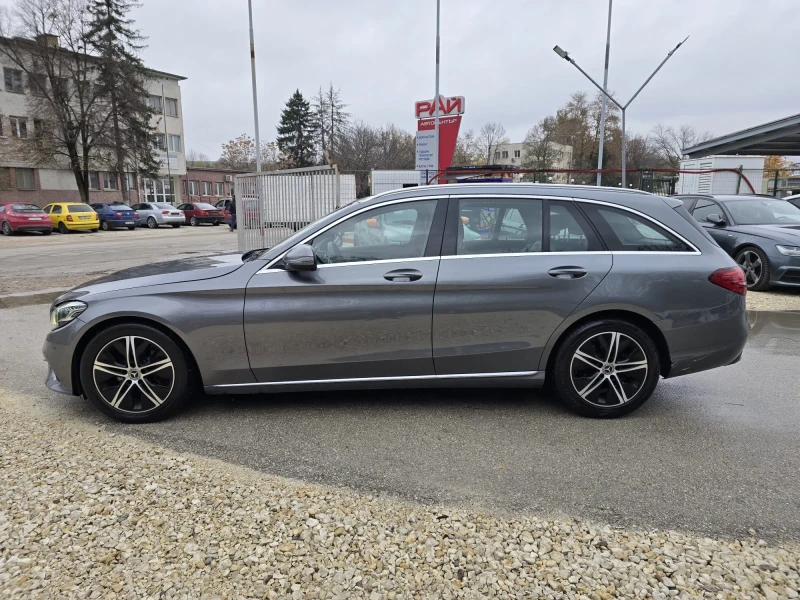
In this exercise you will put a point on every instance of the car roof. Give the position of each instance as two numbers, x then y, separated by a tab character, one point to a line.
730	197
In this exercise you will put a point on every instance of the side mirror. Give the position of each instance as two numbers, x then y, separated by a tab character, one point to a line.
300	258
715	219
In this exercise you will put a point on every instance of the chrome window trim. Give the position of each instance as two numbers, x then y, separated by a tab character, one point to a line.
353	214
375	262
379	379
516	254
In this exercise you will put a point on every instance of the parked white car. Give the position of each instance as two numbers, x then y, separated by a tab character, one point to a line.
153	214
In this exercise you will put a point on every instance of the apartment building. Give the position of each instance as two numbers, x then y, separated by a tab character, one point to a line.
25	181
513	155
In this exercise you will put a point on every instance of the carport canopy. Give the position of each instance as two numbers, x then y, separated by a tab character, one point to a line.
781	137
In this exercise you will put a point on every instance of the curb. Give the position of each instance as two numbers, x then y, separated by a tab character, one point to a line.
28	298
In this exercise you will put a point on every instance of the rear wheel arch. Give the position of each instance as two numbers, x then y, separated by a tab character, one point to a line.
643	322
128	320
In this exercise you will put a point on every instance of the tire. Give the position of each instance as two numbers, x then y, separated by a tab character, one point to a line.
48	232
62	228
131	227
193	222
7	229
152	223
176	225
215	223
169	382
94	230
756	267
592	386
104	225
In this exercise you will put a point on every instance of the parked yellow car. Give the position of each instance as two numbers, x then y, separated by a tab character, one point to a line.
72	216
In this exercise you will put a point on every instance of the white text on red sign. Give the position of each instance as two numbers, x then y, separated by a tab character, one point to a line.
447	106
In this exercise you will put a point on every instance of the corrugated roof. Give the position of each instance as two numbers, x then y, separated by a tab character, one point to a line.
781	137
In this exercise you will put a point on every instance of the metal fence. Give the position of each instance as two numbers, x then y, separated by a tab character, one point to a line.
271	206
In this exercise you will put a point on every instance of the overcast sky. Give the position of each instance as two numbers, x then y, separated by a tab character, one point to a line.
731	74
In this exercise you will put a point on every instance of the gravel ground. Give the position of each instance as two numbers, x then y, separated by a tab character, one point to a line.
89	514
775	299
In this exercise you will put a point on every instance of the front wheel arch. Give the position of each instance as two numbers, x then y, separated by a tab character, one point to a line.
645	324
95	329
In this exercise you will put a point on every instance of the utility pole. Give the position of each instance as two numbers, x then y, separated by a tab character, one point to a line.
604	101
436	95
255	90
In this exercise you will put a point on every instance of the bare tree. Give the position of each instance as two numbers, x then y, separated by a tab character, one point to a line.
197	159
239	154
491	136
330	120
45	41
670	142
541	150
467	151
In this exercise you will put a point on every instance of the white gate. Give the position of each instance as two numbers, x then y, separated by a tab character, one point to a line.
271	206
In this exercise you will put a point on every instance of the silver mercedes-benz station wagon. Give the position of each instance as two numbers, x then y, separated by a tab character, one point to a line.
597	292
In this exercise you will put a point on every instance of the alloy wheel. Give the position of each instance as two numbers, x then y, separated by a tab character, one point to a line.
152	223
7	228
609	369
753	268
133	374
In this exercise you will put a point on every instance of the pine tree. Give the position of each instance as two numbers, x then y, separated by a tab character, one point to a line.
122	77
296	131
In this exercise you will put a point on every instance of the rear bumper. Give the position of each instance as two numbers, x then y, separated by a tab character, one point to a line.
709	343
31	227
124	222
218	219
82	226
172	219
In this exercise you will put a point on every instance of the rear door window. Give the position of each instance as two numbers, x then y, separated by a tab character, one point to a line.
627	232
499	226
569	230
56	209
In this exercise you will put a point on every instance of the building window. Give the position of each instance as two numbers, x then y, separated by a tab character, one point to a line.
5	178
175	143
129	182
194	188
94	181
154	102
171	106
206	188
505	154
497	155
2	126
25	179
184	188
109	180
158	141
19	127
516	153
13	79
37	84
219	188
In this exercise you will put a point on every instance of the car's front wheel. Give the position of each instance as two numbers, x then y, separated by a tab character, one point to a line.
605	368
755	264
152	223
135	373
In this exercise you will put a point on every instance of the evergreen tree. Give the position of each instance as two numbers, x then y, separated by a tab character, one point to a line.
122	79
296	131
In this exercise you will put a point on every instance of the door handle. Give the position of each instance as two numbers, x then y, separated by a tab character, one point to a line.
403	275
567	272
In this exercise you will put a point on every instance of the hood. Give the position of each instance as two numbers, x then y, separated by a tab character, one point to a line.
174	271
790	234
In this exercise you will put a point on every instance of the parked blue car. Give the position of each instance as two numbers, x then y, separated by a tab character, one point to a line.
113	216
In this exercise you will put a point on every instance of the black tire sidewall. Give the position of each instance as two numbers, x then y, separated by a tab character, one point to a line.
764	282
62	228
183	374
7	228
562	380
104	225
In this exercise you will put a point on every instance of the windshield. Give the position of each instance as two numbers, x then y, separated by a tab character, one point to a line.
25	208
763	212
79	208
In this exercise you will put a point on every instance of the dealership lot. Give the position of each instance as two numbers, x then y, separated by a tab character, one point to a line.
715	453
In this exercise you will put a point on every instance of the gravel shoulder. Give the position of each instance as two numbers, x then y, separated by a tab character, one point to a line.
87	513
775	299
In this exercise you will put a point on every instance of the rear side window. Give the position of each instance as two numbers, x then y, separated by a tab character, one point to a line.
685	214
569	230
499	226
626	232
56	209
78	208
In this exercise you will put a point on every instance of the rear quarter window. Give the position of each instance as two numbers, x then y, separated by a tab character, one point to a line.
685	214
627	232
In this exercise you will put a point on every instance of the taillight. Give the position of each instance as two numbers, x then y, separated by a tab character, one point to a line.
164	212
69	217
730	278
117	214
136	215
202	213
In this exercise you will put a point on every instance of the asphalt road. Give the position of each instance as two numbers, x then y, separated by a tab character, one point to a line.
715	453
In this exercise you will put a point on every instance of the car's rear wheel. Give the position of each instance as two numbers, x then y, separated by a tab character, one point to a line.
131	227
47	232
62	228
605	368
152	223
7	229
215	223
104	225
176	225
755	264
135	373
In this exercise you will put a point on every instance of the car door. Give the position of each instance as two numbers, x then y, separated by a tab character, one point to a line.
500	297
56	214
706	206
364	313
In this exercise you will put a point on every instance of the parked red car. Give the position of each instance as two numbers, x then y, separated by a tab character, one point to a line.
201	213
19	216
223	206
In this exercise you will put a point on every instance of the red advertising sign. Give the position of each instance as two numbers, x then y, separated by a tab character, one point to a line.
447	107
448	134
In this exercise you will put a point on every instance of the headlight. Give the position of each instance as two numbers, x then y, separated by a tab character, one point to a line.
788	250
66	312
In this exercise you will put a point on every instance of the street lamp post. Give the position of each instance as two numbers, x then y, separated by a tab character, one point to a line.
565	55
255	89
604	102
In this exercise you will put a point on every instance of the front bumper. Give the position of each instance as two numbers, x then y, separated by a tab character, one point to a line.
59	348
52	382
